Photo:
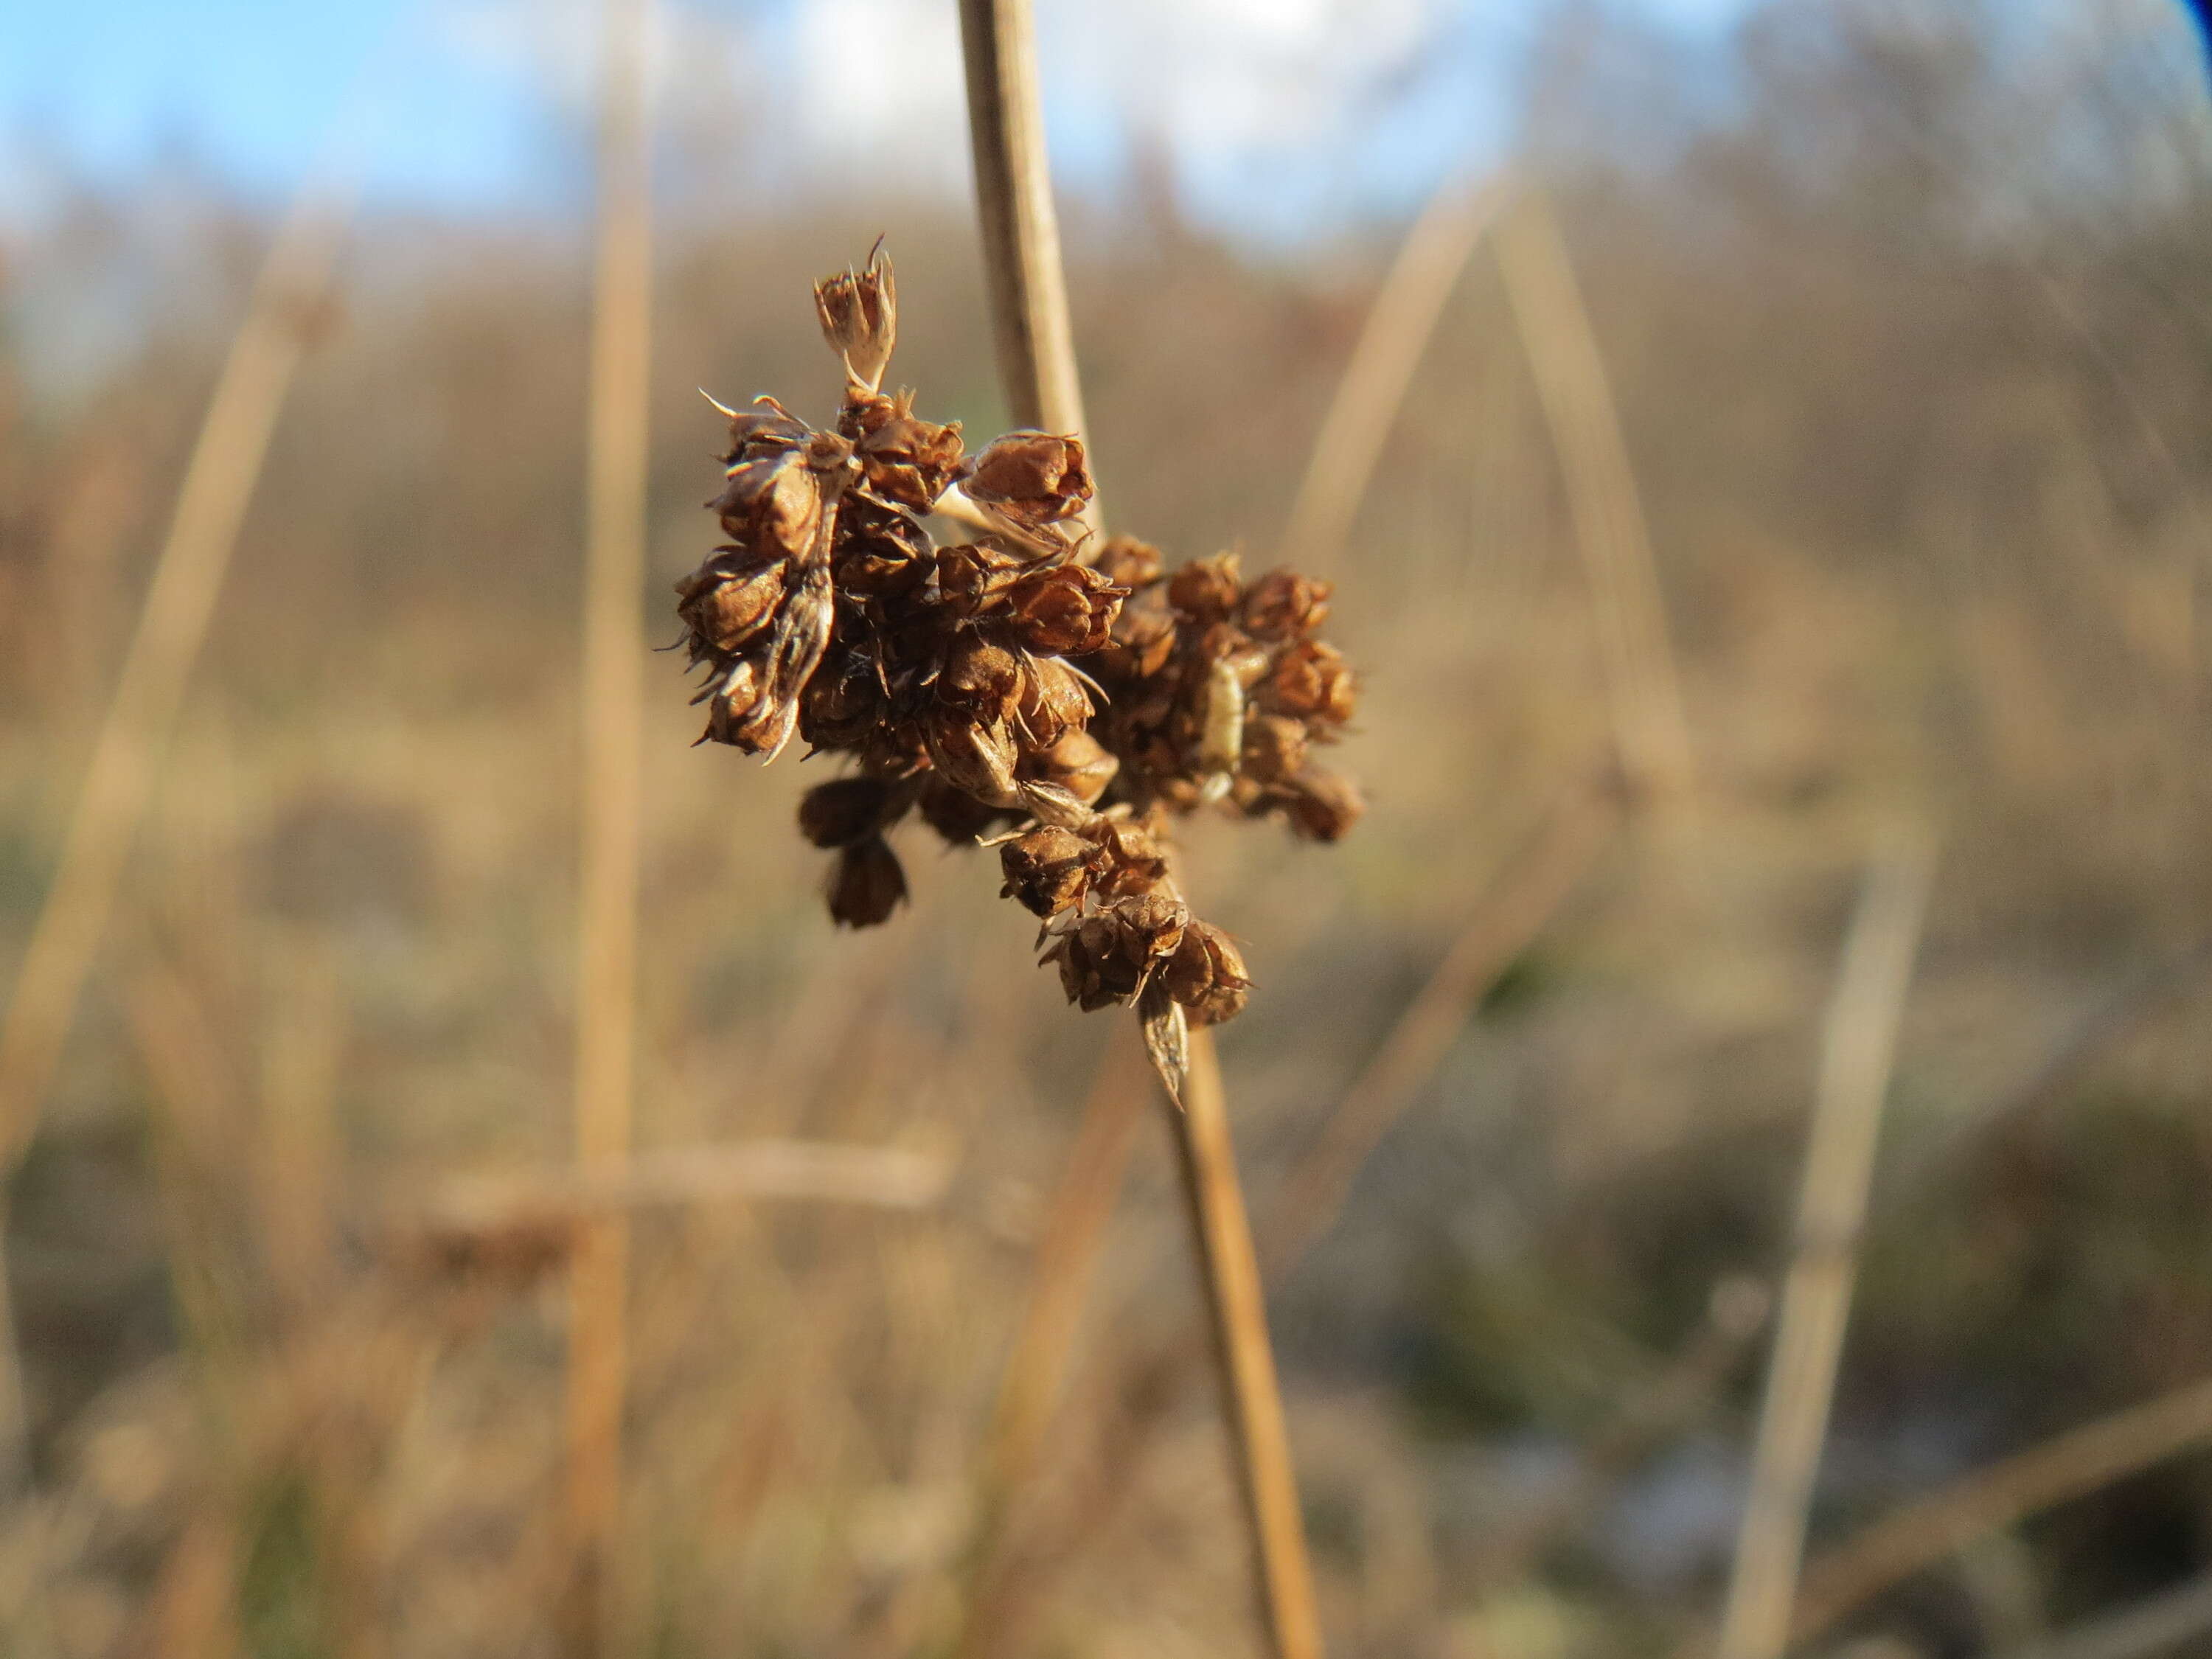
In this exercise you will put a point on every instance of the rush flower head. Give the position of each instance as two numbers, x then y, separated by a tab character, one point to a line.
1060	699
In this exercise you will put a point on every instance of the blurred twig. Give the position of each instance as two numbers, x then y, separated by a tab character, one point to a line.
2073	1464
1610	529
141	718
1401	322
1858	1045
880	1178
606	989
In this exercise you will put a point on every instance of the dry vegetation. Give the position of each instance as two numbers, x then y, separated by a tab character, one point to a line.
1913	369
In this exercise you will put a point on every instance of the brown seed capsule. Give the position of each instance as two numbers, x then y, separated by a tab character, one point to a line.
1093	975
1051	700
866	884
1143	642
840	706
972	577
1063	608
1047	870
975	757
1283	603
903	458
1207	975
1134	862
859	312
1322	806
764	428
980	677
1206	590
1077	762
728	599
1147	927
772	505
1127	563
1274	747
841	811
1035	478
1311	680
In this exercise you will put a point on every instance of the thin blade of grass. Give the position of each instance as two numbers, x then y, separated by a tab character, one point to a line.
1401	322
1858	1046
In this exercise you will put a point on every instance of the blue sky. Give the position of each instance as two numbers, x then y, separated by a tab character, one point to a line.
466	100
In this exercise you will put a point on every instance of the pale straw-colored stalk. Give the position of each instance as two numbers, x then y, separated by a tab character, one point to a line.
1037	366
1858	1046
149	691
1642	689
1401	322
613	641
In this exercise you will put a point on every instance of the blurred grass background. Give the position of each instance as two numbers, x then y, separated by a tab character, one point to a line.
1913	366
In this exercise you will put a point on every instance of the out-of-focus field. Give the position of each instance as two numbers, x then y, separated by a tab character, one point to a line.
1914	370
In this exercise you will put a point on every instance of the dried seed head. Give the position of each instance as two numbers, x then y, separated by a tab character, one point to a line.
1274	747
1206	590
841	811
1207	975
905	460
859	312
1063	608
1047	870
945	675
1052	700
772	504
1035	478
1322	806
764	428
841	707
1127	563
1077	763
1134	861
980	677
1143	642
867	884
726	601
973	577
1283	603
977	756
1311	680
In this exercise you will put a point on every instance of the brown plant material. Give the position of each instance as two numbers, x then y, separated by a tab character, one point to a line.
1061	701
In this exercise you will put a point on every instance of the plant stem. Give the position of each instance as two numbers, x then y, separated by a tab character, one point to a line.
1858	1047
607	916
1037	363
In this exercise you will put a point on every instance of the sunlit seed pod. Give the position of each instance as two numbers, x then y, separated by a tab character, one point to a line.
1047	870
1035	478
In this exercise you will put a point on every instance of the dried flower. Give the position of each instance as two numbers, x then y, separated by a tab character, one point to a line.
1034	478
859	312
1058	701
